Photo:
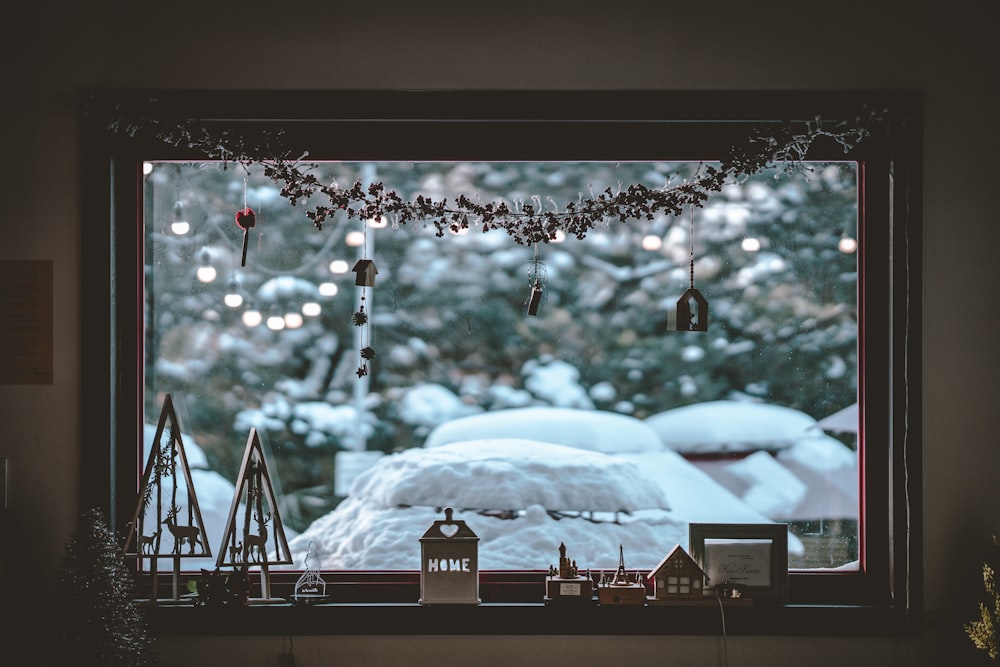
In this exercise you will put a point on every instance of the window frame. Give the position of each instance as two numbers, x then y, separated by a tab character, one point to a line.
504	125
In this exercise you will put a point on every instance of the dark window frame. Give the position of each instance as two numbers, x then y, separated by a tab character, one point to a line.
499	125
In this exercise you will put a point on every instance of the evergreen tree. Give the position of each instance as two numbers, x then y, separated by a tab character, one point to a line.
97	621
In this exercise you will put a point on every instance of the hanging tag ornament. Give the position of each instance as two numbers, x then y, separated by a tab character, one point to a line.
245	220
537	289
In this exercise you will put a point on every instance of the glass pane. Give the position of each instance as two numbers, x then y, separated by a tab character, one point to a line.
591	422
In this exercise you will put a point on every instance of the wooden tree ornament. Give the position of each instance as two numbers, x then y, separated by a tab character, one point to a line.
167	499
250	546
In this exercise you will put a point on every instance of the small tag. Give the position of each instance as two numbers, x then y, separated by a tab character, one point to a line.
569	589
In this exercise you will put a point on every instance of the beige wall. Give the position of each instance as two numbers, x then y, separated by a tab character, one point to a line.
948	51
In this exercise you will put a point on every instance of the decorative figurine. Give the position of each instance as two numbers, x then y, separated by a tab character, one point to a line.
566	584
449	563
621	589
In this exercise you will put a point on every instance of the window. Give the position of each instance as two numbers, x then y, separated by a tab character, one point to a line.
801	320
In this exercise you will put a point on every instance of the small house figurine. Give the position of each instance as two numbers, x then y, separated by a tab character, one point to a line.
567	584
621	589
677	578
365	270
449	563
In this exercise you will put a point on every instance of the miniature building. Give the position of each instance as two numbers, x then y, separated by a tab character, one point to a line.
620	589
678	576
365	270
566	583
449	563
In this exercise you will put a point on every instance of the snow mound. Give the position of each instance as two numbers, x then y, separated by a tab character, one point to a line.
729	426
360	536
596	430
508	474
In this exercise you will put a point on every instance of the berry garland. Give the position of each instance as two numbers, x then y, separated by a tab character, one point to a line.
529	224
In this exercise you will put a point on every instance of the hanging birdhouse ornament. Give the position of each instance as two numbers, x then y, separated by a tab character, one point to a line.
692	311
449	563
692	307
365	270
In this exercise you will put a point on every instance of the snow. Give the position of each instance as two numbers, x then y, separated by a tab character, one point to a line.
338	420
515	475
770	487
525	480
432	404
830	470
596	430
729	426
557	382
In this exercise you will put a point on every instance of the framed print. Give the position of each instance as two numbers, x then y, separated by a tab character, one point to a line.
750	556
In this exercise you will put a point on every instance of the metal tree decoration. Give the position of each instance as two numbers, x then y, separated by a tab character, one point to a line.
167	498
254	507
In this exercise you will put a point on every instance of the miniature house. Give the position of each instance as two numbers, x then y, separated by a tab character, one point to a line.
678	577
449	563
366	271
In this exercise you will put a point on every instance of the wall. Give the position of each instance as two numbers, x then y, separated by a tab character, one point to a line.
942	49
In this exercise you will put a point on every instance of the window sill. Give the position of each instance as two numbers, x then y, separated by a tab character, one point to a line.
530	619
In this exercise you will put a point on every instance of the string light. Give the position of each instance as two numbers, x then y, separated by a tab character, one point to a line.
847	244
180	226
206	273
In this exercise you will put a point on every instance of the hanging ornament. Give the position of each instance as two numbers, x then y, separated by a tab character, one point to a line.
245	220
360	318
365	270
537	289
692	307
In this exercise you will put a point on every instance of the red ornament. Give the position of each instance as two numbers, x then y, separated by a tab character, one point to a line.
245	218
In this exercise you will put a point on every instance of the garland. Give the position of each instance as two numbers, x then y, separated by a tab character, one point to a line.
528	223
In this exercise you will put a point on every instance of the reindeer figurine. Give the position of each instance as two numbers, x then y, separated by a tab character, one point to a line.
148	544
255	545
189	534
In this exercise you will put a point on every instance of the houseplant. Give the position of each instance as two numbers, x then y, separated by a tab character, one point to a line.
96	619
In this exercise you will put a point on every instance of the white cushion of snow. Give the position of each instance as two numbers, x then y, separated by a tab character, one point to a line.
773	490
360	535
596	430
431	404
508	474
730	426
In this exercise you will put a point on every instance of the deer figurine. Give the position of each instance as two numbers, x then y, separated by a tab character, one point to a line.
148	544
182	534
255	544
